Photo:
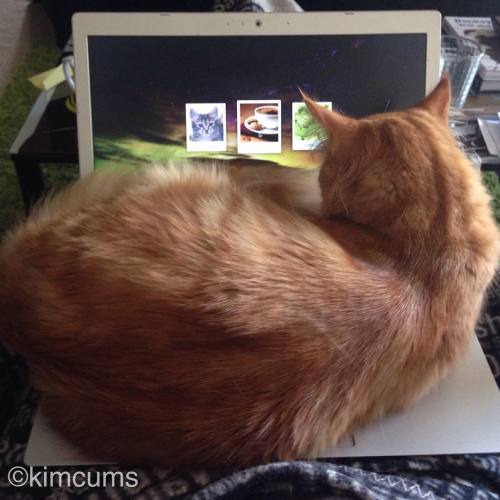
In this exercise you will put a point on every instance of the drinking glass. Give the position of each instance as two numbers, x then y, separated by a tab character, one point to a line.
460	58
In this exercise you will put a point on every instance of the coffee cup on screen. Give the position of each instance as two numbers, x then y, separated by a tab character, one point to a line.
268	115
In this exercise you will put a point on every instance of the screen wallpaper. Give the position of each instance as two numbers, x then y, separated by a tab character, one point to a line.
157	98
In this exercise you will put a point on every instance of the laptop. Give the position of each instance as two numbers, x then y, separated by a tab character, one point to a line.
156	87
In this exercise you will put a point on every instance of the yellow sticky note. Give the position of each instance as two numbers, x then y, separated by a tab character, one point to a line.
49	78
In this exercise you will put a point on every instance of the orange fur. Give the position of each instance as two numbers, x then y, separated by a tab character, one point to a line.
184	315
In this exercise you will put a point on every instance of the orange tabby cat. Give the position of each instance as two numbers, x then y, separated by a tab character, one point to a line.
186	315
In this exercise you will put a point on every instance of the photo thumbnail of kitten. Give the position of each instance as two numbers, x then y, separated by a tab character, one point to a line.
206	127
259	126
307	133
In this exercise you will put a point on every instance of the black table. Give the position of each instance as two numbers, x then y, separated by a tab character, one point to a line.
48	135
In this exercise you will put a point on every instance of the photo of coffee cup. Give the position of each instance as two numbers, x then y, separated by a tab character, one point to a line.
268	116
259	126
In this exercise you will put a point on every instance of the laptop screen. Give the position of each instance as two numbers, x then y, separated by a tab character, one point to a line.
226	98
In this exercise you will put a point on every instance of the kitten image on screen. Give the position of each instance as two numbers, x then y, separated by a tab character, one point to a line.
206	127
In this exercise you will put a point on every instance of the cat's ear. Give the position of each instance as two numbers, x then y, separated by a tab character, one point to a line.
193	114
214	113
332	121
438	101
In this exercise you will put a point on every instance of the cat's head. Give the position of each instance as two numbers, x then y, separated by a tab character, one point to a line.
205	125
382	166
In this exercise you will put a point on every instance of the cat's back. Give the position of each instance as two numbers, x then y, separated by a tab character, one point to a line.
168	243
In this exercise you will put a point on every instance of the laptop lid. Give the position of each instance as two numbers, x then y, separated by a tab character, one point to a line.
152	87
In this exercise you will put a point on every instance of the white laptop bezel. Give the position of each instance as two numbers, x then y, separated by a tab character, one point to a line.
236	24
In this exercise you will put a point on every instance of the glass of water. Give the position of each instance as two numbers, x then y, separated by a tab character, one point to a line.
460	58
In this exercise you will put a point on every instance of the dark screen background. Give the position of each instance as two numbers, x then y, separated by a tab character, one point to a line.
139	85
